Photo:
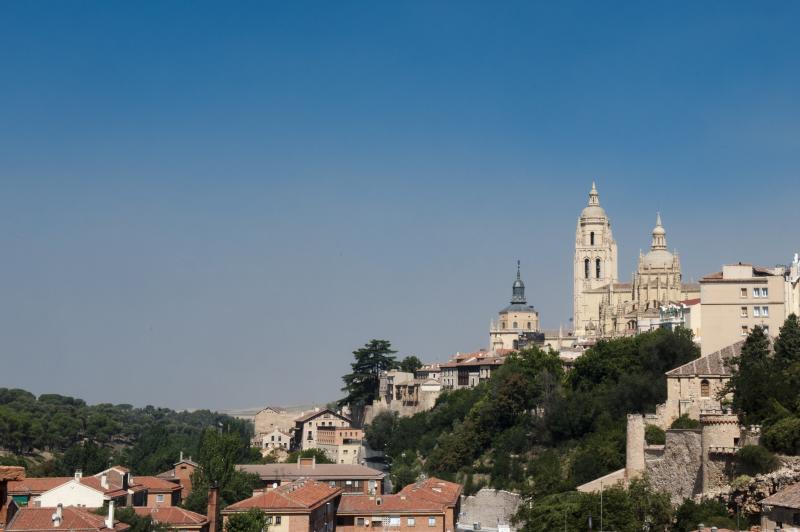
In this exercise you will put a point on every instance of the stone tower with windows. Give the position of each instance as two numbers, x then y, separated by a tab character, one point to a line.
595	263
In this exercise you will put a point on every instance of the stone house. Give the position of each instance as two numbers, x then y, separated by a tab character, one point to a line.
431	504
467	370
307	425
277	439
781	510
303	505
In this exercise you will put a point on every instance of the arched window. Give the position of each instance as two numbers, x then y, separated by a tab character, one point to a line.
597	268
591	238
705	388
514	325
529	325
586	268
504	325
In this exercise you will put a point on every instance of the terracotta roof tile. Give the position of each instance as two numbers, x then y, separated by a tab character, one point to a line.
171	515
788	497
155	484
36	485
298	495
427	496
33	519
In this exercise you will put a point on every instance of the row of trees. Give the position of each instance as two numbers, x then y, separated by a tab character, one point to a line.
764	383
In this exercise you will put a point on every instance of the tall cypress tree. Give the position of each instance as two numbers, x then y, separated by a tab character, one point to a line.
751	382
787	363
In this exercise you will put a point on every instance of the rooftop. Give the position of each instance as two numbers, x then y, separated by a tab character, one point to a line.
30	519
788	497
429	495
303	494
171	515
314	413
711	364
317	471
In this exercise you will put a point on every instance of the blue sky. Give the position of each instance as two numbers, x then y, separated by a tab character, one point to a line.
212	204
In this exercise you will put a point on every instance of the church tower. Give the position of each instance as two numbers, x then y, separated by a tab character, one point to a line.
658	275
595	264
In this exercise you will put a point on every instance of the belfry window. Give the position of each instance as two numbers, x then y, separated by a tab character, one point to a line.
705	390
591	238
597	268
586	268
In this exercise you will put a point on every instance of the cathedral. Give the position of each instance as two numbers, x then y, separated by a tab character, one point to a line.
607	308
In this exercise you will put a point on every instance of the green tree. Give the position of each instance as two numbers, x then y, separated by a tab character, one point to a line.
755	459
410	364
318	455
381	430
654	435
362	384
787	363
783	436
709	512
685	422
253	520
751	379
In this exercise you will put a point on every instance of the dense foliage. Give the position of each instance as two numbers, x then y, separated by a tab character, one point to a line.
533	427
361	385
90	437
253	520
764	384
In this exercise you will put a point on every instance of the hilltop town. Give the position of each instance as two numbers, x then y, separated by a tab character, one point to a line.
664	401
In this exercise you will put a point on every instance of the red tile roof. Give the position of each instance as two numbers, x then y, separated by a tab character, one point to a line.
155	484
311	415
36	485
33	519
300	495
171	515
12	473
427	496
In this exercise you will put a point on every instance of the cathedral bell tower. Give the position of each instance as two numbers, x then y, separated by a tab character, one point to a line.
595	264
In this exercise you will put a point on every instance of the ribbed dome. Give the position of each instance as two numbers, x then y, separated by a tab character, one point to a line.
658	258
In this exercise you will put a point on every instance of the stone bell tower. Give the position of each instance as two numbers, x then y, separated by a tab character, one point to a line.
595	263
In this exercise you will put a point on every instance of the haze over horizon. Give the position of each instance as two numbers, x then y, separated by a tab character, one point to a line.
211	205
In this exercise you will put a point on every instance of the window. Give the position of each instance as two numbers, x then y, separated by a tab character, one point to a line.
591	238
268	520
431	521
766	329
160	497
310	435
273	437
586	268
277	519
705	390
743	312
743	292
394	521
514	325
504	325
756	311
597	268
359	521
756	292
765	311
764	292
411	521
744	330
529	325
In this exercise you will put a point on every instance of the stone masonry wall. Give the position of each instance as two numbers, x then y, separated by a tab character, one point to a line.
679	472
488	507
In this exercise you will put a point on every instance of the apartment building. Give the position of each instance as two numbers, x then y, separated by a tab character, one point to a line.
738	298
341	444
351	478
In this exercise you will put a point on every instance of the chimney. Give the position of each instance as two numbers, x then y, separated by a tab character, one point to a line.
104	480
78	475
58	516
213	496
181	458
110	518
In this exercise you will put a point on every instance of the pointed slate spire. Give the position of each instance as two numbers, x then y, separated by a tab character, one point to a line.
518	290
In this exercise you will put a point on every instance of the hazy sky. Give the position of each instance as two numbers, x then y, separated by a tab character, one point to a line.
213	204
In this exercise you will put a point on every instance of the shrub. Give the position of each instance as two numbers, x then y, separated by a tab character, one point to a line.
755	459
685	422
654	435
784	436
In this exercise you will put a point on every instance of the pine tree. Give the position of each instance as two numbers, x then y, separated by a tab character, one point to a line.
362	384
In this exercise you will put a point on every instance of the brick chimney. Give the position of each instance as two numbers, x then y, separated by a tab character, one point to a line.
213	504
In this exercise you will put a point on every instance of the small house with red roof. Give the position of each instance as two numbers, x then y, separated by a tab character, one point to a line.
301	506
68	519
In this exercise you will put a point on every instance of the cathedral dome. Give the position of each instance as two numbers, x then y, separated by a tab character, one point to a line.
658	258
